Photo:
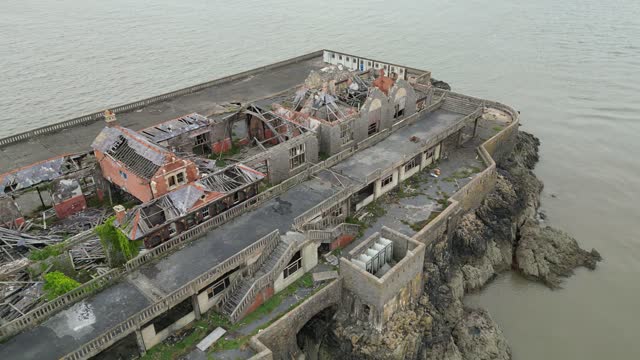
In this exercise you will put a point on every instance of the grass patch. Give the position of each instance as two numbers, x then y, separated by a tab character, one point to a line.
497	128
46	252
376	209
466	172
264	186
57	283
169	350
419	225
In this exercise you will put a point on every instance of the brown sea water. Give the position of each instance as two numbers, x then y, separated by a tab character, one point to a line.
571	67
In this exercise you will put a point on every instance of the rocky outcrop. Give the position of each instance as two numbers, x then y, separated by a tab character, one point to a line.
501	234
440	84
548	254
478	337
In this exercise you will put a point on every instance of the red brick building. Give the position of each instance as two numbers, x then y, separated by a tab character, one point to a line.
145	170
68	198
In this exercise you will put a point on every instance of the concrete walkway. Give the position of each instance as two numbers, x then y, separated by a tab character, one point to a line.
219	244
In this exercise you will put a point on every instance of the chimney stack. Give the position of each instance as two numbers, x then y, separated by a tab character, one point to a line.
120	213
110	118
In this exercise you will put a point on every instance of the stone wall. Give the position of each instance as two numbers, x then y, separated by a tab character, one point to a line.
280	337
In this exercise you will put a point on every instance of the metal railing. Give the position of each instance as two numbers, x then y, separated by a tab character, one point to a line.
260	283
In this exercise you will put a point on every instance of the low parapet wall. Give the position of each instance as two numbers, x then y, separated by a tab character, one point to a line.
279	340
470	196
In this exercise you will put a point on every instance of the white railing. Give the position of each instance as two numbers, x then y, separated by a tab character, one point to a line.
134	322
260	283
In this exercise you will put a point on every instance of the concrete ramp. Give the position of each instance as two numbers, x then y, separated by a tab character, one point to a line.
210	339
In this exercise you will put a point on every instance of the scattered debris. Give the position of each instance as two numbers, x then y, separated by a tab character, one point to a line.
88	255
332	259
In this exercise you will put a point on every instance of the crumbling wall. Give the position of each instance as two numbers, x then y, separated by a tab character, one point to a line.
280	337
410	98
278	158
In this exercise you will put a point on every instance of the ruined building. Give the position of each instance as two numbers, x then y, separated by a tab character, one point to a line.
134	164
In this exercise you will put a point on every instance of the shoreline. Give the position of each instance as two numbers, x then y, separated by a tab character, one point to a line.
503	234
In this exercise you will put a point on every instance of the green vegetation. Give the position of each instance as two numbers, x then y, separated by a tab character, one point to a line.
322	156
211	320
466	172
46	252
419	225
114	240
406	190
497	128
376	209
57	283
264	186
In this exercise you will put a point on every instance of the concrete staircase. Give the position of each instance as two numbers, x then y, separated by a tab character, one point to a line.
235	300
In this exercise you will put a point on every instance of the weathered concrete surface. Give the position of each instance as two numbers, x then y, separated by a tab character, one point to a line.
280	337
79	138
71	328
396	145
221	243
481	246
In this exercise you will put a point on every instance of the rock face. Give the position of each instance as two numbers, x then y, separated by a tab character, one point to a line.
547	254
440	84
501	234
477	335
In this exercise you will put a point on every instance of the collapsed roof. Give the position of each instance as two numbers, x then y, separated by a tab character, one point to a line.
132	150
175	127
142	219
42	171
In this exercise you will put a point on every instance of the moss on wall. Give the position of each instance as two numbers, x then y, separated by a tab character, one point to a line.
118	247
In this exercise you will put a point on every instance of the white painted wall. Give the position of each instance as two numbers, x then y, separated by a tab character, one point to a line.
151	338
309	254
379	190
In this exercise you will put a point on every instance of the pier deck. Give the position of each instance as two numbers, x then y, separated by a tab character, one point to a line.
79	138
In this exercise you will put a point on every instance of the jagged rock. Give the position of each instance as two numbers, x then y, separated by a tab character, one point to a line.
548	254
440	84
478	337
483	245
447	350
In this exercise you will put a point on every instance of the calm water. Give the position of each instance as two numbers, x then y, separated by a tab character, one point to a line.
572	67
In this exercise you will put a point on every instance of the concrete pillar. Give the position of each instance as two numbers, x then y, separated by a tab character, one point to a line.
196	306
459	141
141	346
475	127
